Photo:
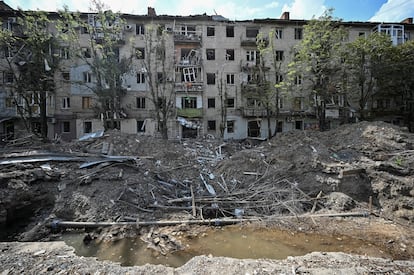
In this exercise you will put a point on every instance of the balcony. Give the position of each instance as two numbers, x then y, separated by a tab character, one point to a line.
248	42
189	87
190	112
181	37
192	59
254	112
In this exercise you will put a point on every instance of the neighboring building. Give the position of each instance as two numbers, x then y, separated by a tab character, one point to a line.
212	75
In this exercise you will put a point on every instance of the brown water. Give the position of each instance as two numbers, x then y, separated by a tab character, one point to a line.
230	241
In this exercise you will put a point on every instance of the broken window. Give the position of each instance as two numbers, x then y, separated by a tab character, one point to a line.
9	102
280	102
298	33
253	78
160	77
279	55
8	52
66	103
253	128
230	102
230	79
298	104
211	54
211	102
140	125
8	77
211	31
64	53
86	53
279	127
140	53
189	102
253	102
211	78
230	54
139	29
160	53
252	55
211	125
230	126
190	74
278	33
66	75
113	124
140	102
252	32
188	30
87	77
299	125
298	80
66	127
87	127
140	78
229	31
279	78
86	102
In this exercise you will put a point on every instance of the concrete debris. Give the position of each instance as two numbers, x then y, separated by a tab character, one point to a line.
130	176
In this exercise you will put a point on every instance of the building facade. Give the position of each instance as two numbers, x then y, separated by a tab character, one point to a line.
210	70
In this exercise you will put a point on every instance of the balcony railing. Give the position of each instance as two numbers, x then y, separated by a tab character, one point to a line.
254	112
189	87
188	37
190	112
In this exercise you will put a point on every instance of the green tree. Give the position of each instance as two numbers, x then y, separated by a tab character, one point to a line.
223	95
101	53
364	60
31	63
270	72
395	81
158	68
318	60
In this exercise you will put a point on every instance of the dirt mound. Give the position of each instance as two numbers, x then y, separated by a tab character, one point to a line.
130	177
363	160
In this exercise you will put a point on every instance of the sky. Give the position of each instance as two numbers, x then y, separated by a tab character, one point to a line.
347	10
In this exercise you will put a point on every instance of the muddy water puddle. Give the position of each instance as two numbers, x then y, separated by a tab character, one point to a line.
230	241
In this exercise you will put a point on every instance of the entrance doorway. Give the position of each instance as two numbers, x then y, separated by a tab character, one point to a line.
253	128
189	132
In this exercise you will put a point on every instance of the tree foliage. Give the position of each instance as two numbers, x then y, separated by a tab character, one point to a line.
101	53
364	59
318	59
31	61
157	66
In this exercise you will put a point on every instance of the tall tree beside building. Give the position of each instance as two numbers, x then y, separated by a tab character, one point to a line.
364	59
30	64
100	52
158	68
271	93
318	60
395	82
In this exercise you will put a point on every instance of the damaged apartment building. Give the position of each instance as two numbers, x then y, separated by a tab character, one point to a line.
209	74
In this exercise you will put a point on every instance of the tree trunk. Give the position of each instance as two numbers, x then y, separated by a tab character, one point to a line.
269	128
322	113
43	115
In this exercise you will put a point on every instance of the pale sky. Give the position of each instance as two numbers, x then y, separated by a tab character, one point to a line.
348	10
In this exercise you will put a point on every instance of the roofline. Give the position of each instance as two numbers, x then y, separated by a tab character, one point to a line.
205	17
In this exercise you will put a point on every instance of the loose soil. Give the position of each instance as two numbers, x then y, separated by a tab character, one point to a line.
346	169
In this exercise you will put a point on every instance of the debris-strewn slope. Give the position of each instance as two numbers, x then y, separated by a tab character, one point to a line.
211	178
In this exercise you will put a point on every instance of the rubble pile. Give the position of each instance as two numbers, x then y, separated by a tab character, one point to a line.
126	177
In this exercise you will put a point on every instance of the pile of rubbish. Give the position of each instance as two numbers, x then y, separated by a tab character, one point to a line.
115	177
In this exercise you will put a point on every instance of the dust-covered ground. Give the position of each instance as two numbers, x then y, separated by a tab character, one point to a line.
363	168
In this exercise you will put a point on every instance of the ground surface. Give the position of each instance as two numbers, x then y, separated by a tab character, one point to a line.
293	174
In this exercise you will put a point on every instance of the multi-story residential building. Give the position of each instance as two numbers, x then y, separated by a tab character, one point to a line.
210	71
